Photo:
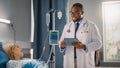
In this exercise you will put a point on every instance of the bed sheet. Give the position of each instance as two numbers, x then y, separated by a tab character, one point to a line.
21	63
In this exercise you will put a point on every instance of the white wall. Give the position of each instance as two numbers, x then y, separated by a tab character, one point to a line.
92	10
19	12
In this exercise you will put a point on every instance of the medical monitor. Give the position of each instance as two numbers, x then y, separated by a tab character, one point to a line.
53	37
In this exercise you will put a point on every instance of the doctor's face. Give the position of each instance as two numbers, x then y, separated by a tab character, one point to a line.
76	13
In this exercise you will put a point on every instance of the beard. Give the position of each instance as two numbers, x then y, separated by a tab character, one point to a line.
75	19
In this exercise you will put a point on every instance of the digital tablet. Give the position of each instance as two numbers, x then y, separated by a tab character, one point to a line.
70	40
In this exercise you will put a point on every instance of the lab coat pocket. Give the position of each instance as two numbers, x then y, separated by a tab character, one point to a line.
85	36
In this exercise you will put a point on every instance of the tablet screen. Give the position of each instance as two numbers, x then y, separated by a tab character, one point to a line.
70	40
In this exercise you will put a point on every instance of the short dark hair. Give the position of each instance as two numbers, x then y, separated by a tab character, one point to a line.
78	5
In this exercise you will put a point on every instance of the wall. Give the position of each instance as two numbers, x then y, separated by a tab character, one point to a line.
93	12
19	12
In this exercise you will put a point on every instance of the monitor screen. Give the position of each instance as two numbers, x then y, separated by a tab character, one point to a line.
53	37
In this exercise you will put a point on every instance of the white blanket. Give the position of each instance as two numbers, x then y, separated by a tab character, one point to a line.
17	63
21	63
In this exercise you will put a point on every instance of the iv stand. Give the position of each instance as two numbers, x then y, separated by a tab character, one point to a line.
52	60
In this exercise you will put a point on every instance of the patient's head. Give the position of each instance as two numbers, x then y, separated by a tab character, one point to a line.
13	51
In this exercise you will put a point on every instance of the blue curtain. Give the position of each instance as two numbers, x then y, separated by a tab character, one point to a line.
41	7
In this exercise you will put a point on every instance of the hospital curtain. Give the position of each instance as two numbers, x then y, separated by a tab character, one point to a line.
40	33
41	7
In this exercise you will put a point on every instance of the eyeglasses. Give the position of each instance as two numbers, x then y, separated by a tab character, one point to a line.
75	13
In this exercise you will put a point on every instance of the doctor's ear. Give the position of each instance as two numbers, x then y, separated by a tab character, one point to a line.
82	12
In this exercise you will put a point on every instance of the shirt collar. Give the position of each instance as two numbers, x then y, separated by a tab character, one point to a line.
78	21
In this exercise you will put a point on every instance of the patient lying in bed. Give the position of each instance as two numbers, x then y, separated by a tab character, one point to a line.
15	55
13	51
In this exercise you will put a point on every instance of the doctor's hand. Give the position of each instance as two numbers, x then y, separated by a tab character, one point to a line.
63	44
78	45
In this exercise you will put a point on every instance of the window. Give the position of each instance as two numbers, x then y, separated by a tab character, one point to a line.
111	31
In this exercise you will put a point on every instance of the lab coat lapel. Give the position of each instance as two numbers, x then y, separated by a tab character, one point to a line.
82	23
73	27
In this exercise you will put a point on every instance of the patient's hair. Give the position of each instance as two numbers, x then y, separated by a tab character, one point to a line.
8	49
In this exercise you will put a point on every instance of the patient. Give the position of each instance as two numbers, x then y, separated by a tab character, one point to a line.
13	51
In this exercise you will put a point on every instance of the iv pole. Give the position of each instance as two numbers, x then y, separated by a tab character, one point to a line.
52	54
53	28
53	63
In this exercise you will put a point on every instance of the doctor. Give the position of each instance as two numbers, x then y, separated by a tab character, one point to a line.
80	54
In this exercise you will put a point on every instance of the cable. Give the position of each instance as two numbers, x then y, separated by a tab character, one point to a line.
50	55
44	47
43	51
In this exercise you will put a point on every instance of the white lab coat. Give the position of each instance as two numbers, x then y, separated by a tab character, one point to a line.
88	34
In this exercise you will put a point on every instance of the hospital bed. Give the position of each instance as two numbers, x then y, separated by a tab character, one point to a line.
5	62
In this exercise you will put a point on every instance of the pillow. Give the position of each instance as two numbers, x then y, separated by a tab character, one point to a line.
3	57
